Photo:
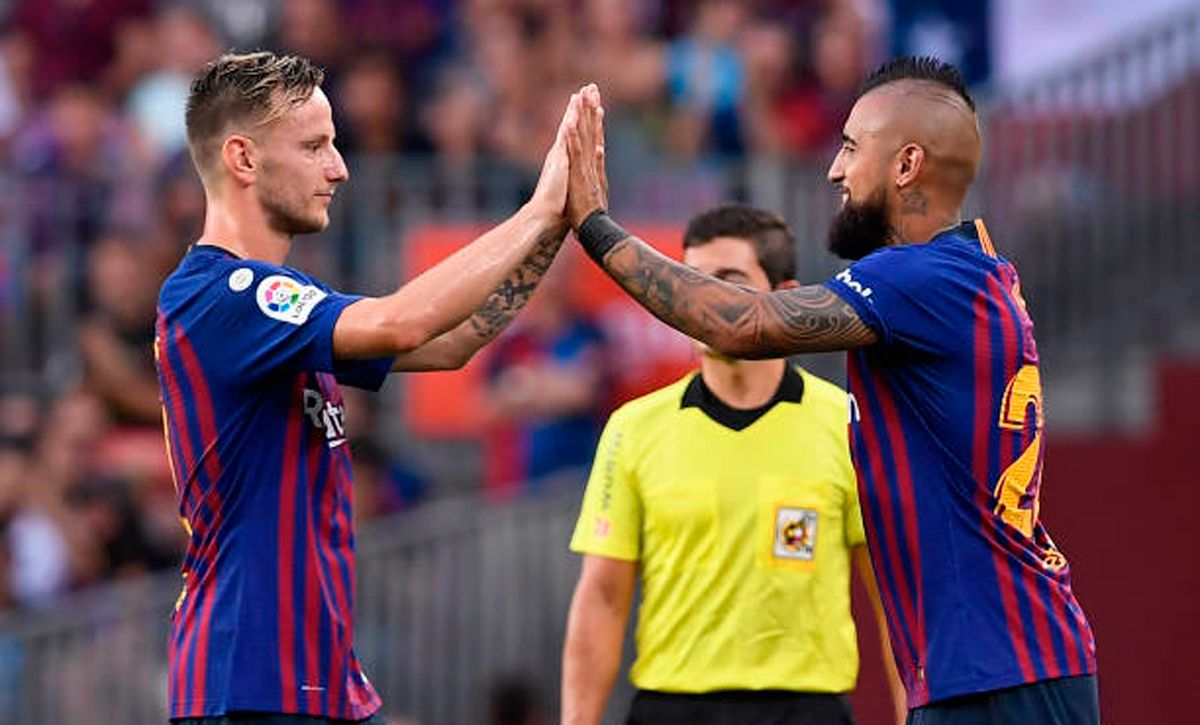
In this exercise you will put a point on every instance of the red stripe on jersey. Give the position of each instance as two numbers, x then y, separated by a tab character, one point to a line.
1070	642
331	581
312	576
908	509
890	553
212	467
341	580
287	558
184	632
168	383
982	440
178	418
1012	362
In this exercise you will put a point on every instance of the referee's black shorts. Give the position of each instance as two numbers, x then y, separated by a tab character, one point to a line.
739	707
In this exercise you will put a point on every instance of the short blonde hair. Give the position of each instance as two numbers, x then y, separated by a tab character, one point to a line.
243	91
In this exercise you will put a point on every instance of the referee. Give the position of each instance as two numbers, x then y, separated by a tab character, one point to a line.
732	495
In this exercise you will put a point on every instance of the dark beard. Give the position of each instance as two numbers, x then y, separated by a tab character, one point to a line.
859	229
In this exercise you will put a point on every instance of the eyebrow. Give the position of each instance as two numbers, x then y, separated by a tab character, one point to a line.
847	139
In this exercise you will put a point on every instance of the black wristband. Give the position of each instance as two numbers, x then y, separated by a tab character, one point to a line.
599	234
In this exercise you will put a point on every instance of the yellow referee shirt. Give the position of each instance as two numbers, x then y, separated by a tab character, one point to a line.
743	532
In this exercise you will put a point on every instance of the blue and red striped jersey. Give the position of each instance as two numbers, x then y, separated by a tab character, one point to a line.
947	436
256	439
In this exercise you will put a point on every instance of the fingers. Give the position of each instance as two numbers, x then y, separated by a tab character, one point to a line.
570	130
570	117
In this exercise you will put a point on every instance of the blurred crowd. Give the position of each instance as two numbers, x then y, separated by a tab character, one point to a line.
91	129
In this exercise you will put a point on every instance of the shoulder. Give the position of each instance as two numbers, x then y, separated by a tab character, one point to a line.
653	406
823	396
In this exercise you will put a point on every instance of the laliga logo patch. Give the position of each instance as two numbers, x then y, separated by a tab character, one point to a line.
282	298
795	533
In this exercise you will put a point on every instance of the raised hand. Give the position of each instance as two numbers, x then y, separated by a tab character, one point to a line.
587	187
551	191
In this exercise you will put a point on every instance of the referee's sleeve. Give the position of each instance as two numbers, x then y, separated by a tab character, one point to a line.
610	519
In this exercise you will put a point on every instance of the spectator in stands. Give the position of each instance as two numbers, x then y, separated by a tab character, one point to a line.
455	118
706	79
417	33
179	200
16	61
84	169
518	51
50	553
618	53
73	40
116	339
105	509
545	393
316	29
183	41
373	109
798	94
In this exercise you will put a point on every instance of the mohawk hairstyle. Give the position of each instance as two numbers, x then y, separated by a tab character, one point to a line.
918	68
244	90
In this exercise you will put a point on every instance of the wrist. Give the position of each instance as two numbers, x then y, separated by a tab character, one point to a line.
540	211
598	234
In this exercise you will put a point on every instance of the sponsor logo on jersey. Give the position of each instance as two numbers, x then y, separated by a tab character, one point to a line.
795	533
326	415
283	298
852	283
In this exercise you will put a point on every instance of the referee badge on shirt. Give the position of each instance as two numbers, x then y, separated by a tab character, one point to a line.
795	533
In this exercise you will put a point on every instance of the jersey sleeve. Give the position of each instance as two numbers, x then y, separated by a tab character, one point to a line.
610	519
264	320
896	292
368	374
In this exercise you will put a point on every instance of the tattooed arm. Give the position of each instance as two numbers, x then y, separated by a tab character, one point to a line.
453	349
442	298
734	320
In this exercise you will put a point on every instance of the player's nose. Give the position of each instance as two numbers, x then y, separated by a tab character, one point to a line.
337	171
836	173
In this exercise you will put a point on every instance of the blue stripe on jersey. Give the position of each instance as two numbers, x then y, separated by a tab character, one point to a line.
1056	633
887	454
886	554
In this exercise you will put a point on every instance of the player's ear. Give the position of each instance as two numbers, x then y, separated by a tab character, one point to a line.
240	158
910	159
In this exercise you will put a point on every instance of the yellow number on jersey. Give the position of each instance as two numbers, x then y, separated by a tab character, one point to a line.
1024	388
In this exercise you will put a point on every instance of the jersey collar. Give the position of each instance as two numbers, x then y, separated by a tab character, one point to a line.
212	249
698	395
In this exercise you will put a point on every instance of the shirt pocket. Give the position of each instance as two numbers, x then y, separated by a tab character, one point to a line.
798	518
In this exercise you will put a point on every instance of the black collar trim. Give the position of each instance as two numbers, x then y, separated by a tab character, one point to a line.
698	395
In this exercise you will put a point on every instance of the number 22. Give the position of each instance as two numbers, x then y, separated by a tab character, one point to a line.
1025	473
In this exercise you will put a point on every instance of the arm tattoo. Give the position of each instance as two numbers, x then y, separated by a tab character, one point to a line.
503	304
736	321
